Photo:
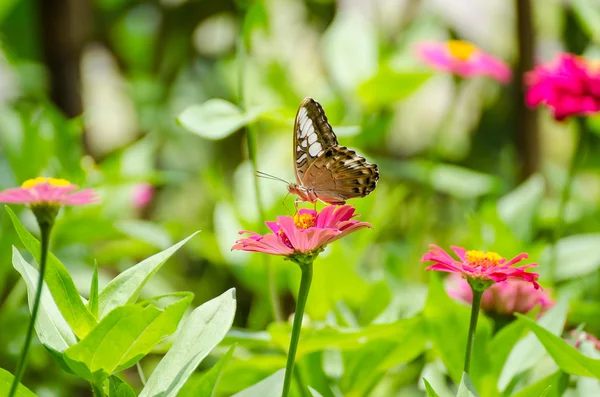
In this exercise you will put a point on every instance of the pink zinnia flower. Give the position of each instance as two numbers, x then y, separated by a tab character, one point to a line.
463	59
142	194
307	232
512	296
568	86
485	267
47	191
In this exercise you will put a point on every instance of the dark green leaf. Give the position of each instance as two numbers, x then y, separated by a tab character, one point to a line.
117	387
93	302
429	389
466	388
6	379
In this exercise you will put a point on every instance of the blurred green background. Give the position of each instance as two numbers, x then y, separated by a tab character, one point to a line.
97	92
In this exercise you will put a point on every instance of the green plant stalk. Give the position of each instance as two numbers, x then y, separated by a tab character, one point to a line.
307	272
97	390
565	195
45	229
472	326
251	143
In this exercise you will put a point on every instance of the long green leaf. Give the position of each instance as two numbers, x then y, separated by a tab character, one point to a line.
6	379
207	384
50	326
59	282
268	387
125	335
553	385
202	331
93	302
466	388
126	287
117	387
429	389
568	358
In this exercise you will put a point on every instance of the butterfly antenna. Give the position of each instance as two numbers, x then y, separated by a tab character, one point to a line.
261	174
283	202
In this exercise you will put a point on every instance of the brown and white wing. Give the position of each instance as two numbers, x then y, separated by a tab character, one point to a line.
340	174
312	136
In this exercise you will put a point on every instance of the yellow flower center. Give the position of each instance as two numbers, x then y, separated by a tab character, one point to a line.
30	183
304	221
461	50
483	259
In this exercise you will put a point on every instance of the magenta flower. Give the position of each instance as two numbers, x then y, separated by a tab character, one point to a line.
512	296
568	86
463	59
486	267
578	337
47	191
307	232
142	194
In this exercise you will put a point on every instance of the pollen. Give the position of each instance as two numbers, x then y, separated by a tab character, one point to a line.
461	50
483	259
304	221
30	183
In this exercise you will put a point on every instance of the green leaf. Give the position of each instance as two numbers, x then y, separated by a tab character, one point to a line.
50	326
576	256
208	383
518	208
551	386
568	358
466	388
126	287
6	379
93	302
268	387
528	351
117	387
215	119
503	342
314	392
59	282
429	389
389	86
202	331
126	335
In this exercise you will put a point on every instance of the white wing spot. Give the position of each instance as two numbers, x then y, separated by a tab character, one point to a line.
312	138
306	127
304	143
302	113
301	158
314	149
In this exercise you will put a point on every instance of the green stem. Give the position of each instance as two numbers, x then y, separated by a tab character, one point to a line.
251	143
45	229
97	390
566	194
307	271
472	326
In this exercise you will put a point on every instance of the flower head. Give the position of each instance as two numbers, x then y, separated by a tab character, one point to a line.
569	85
463	59
47	191
577	337
142	194
304	234
484	268
512	296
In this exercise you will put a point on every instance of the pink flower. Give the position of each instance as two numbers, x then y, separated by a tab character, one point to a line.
142	194
568	86
307	232
464	59
487	267
47	191
512	296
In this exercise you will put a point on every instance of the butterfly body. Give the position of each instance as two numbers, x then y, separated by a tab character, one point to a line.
326	171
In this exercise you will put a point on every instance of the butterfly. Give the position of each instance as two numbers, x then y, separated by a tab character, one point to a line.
324	170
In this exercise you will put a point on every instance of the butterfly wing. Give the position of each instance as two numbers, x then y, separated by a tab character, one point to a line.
340	174
312	136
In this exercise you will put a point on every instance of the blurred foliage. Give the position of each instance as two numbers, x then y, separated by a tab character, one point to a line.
160	89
